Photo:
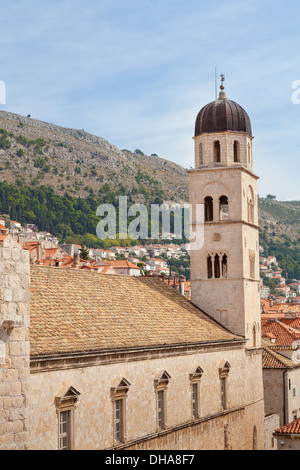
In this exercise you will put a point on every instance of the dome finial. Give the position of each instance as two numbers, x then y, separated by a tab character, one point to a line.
222	93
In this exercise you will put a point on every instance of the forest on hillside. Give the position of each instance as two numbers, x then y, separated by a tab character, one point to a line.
73	220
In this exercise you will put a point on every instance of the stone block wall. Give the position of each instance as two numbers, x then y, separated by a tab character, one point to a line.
14	345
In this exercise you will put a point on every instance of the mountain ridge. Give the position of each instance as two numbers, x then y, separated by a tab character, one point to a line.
77	161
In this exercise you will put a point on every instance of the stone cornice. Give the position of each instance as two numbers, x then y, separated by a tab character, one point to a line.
222	168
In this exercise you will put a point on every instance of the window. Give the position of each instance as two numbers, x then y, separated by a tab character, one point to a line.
223	373
119	395
209	267
119	420
254	438
160	386
236	151
223	392
217	266
294	392
195	401
65	430
250	202
208	209
161	409
195	379
217	152
65	406
224	266
223	204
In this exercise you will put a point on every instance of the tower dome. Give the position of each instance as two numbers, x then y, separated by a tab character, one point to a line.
222	115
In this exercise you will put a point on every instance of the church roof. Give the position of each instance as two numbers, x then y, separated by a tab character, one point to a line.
222	115
81	311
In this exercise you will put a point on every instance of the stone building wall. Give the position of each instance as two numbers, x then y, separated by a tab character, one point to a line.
93	414
271	423
14	345
282	393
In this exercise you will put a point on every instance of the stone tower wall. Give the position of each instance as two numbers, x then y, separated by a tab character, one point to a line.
14	345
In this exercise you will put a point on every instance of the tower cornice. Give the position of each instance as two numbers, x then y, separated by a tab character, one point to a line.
222	168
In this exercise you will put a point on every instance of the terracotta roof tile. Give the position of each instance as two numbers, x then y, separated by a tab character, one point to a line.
81	311
285	335
272	360
122	263
291	428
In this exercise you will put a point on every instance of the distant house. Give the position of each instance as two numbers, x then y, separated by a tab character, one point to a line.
264	291
125	267
281	376
272	260
295	286
158	263
14	225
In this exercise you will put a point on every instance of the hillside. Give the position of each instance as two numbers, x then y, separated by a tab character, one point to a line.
37	153
280	219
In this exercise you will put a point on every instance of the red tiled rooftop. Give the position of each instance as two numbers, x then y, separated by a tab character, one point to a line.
291	428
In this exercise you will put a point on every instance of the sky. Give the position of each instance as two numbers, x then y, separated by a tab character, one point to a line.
137	73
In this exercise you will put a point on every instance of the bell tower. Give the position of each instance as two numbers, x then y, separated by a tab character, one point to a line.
225	271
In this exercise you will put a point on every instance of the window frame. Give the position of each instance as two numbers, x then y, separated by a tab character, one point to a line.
68	433
223	375
161	386
195	381
65	403
119	394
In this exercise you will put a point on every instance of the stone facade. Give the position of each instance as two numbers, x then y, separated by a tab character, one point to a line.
237	238
14	345
237	426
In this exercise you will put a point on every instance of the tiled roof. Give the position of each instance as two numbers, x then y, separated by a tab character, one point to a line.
285	335
272	360
291	428
122	263
79	311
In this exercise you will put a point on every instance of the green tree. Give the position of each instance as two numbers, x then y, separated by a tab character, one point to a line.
84	252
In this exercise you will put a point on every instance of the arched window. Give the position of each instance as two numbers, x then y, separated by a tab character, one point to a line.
224	208
208	209
217	266
254	438
236	151
209	267
224	266
217	152
250	202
